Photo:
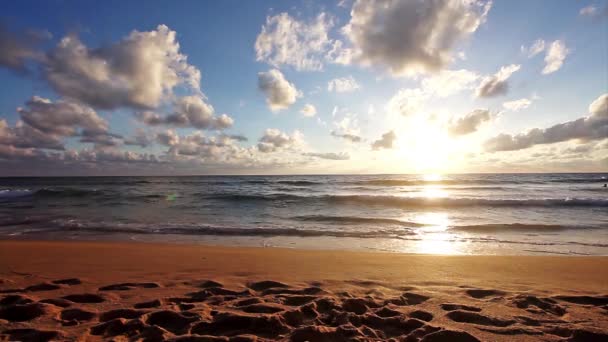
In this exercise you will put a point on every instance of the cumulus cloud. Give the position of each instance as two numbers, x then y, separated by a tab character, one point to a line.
62	118
469	122
275	140
23	136
343	85
554	59
386	141
17	48
189	111
517	105
167	138
496	84
139	71
285	40
410	36
308	110
330	156
592	127
280	94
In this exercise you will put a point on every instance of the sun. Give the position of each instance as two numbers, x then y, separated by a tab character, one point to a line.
427	147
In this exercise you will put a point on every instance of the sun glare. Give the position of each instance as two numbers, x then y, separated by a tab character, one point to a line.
427	148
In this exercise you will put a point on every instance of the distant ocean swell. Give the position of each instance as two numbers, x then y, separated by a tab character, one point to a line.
381	200
400	201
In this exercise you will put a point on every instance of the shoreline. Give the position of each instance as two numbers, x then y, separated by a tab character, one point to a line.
74	289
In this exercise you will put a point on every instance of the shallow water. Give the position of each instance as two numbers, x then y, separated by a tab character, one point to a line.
449	214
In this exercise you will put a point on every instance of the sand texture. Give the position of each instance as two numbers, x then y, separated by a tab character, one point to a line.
153	292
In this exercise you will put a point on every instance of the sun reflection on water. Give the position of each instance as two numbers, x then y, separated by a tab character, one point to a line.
435	238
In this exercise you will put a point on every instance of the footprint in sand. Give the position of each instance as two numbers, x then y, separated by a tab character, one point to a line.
84	298
120	313
75	316
32	335
483	293
476	318
453	307
67	281
544	304
24	312
128	286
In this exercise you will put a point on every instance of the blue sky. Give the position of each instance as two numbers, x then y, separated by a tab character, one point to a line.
219	40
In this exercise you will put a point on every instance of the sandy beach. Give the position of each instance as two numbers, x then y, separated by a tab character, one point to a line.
154	292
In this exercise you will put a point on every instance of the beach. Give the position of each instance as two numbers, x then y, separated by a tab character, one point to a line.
77	290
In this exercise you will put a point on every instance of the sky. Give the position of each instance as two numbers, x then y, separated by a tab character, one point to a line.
303	87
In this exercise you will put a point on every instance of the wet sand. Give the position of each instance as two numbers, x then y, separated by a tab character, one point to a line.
154	292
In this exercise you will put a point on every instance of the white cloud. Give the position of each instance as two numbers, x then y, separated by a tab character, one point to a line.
469	122
449	82
554	59
280	93
139	71
274	140
589	11
537	47
411	101
410	36
517	105
386	141
308	110
343	85
496	84
286	41
407	102
592	127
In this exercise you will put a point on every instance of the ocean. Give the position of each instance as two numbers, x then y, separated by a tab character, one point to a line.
499	214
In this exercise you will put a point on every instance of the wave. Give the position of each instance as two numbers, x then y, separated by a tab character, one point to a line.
580	180
355	220
414	182
135	228
424	202
520	227
7	194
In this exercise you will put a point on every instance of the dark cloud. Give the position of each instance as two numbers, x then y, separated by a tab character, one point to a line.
592	127
469	123
16	49
386	141
189	111
140	138
496	84
351	137
62	117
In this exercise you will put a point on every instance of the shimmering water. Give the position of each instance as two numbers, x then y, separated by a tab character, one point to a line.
449	214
